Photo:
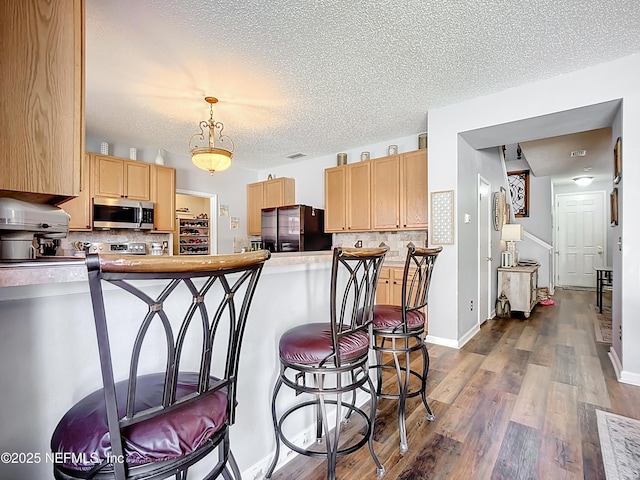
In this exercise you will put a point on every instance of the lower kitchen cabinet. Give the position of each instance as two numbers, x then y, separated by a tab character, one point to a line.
520	285
389	290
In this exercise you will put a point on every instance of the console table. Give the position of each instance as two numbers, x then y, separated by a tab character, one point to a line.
520	285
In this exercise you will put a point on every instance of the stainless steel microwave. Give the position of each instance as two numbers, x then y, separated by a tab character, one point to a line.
117	213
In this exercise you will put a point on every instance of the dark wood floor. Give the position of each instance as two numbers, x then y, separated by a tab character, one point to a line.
517	402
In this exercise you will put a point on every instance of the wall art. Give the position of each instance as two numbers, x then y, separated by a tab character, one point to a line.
617	161
519	189
442	232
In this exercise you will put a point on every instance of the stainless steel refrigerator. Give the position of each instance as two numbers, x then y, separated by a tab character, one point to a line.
294	228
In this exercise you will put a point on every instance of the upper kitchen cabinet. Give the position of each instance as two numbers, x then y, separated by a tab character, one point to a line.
347	194
386	194
79	208
399	191
163	195
413	190
278	192
116	177
267	194
42	123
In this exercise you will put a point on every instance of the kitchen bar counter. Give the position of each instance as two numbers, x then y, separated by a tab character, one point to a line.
49	352
47	270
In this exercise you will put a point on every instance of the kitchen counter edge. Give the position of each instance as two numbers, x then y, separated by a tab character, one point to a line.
74	270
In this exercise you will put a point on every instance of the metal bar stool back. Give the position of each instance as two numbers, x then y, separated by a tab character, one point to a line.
326	360
398	331
178	366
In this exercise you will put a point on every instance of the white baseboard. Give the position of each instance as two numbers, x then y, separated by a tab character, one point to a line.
447	342
468	336
623	376
615	361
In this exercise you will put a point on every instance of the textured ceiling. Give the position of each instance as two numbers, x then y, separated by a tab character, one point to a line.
319	77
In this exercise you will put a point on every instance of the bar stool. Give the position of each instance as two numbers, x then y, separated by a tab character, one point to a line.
327	360
157	425
399	330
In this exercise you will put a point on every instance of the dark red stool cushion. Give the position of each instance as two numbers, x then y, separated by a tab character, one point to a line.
83	432
388	317
310	344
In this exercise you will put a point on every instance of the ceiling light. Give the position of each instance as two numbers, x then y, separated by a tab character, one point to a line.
211	158
583	181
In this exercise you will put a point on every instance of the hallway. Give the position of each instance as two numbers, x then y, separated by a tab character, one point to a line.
517	402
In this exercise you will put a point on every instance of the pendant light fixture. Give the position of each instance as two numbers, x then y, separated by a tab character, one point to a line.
211	157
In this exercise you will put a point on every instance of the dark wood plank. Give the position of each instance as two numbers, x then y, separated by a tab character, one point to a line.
546	372
518	453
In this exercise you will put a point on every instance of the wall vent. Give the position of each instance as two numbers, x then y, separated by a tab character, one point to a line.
295	156
578	153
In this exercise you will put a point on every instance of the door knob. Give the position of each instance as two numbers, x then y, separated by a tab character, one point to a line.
489	259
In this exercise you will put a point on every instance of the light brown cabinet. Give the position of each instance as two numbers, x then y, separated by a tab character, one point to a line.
399	191
348	198
413	190
120	178
267	194
163	195
278	192
42	141
389	289
385	194
255	193
79	208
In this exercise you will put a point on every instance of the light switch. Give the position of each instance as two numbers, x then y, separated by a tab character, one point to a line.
467	218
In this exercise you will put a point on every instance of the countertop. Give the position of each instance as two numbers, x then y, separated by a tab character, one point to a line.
56	270
46	270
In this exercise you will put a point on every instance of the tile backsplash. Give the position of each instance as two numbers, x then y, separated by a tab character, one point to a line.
397	241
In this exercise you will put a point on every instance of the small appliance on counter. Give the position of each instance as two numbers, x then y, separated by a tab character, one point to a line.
21	222
294	228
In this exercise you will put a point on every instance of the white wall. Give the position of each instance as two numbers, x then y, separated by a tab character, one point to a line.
578	89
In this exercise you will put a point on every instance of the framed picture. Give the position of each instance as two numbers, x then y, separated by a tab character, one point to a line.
442	218
614	207
617	161
519	189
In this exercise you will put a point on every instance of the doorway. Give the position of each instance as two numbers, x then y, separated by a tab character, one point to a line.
196	223
484	257
581	237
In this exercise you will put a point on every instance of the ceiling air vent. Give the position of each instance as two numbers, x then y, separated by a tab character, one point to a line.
578	153
295	156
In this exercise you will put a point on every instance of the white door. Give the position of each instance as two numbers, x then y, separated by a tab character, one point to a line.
484	256
581	237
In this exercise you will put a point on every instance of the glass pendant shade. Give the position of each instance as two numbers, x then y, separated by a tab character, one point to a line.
211	159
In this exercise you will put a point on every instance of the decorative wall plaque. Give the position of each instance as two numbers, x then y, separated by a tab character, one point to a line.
519	189
442	218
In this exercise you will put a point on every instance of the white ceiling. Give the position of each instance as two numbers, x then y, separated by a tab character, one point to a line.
318	77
